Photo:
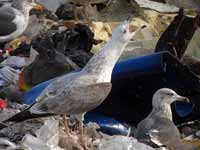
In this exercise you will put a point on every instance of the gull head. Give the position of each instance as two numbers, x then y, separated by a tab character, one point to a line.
167	96
125	32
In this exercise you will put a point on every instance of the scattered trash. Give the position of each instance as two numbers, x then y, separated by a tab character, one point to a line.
3	104
177	36
9	75
66	11
63	37
47	137
122	143
7	144
108	125
160	7
55	51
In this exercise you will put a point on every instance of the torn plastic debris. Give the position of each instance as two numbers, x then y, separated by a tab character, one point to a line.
24	49
8	76
47	137
19	62
3	104
177	36
122	143
7	145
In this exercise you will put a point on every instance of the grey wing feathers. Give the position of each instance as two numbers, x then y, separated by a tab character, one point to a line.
88	92
88	97
48	98
73	100
160	131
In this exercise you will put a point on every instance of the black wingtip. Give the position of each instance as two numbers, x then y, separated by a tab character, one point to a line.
19	117
2	126
26	115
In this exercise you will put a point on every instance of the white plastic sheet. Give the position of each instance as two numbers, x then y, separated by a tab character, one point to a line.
122	143
47	137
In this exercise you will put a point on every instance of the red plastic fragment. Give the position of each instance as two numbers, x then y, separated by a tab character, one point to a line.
3	104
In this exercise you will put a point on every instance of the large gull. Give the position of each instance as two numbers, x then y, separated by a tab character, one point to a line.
78	92
158	129
14	19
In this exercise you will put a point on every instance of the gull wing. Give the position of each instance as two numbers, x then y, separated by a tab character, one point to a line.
74	99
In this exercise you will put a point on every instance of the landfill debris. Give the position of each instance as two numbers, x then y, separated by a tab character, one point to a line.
19	62
59	53
177	36
7	145
66	11
122	143
160	7
62	38
9	76
3	104
108	125
47	137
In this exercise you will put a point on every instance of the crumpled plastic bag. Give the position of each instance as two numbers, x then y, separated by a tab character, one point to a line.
8	75
47	137
19	62
122	143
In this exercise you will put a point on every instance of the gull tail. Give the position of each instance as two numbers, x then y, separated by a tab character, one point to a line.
26	114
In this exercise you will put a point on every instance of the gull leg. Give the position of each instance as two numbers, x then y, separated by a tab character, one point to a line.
80	118
82	134
66	125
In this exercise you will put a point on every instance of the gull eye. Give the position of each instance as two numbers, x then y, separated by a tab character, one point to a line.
170	94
